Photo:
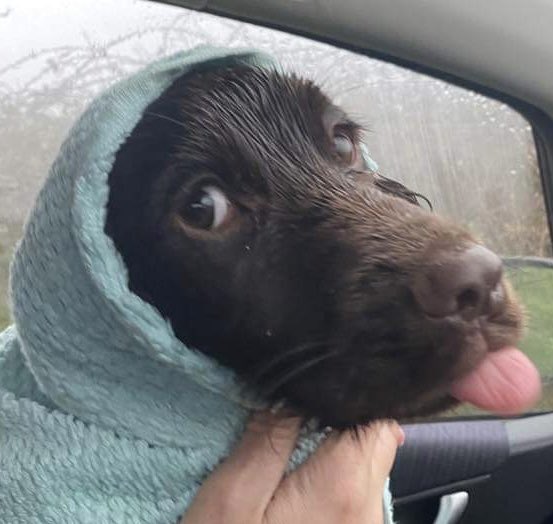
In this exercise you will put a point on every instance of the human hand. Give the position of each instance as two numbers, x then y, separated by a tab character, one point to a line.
341	483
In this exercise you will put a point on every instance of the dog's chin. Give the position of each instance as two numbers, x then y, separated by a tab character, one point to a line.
433	404
322	395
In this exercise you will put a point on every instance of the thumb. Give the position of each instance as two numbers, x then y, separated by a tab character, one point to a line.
243	485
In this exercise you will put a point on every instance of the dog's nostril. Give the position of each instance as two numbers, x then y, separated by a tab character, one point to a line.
468	298
466	284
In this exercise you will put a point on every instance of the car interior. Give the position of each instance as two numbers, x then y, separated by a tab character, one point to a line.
467	466
478	469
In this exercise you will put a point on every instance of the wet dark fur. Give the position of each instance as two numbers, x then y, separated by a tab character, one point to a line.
306	293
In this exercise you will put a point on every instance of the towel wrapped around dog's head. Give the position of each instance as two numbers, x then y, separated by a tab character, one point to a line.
105	416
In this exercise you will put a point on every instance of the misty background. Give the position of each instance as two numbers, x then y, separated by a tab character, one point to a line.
473	157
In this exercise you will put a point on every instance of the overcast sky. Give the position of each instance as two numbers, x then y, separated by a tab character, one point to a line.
27	25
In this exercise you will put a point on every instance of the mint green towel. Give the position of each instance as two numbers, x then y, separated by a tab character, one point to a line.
105	416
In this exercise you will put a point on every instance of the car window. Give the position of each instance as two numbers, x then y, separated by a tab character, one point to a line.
474	158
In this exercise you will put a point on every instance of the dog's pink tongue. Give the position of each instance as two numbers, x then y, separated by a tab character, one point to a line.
506	382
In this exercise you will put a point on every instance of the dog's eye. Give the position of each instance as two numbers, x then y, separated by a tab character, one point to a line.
207	208
345	148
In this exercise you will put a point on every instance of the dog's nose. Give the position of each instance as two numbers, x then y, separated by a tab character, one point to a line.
466	283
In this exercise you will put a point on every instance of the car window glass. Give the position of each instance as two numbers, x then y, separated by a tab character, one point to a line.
474	158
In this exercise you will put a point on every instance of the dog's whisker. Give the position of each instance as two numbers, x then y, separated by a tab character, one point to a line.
275	385
165	117
285	355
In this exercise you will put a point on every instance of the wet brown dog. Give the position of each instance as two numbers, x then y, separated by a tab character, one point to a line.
245	213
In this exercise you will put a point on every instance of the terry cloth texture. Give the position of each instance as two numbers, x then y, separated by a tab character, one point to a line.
105	416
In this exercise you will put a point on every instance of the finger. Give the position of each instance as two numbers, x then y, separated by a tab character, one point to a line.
379	447
345	477
266	445
255	468
373	445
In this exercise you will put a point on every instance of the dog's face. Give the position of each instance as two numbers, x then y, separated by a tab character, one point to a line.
243	209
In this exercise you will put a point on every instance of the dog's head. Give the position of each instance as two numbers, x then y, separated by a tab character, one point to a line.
244	211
